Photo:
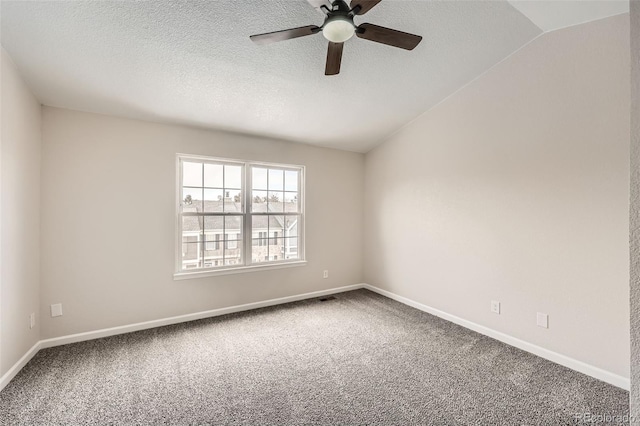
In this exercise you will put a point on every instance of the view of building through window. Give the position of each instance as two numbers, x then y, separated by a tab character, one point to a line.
224	225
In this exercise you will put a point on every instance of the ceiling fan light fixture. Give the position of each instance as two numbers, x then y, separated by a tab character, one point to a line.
338	29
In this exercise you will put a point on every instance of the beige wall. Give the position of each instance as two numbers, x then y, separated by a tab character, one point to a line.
20	216
634	211
523	202
516	189
108	221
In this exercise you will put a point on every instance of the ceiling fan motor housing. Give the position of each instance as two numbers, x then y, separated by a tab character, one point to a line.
340	6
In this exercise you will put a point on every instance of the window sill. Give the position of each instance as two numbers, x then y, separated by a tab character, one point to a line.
237	270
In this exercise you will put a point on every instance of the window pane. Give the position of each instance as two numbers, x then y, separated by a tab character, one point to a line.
213	258
233	201
213	200
213	262
209	246
290	248
291	226
191	174
191	228
233	227
260	238
276	225
191	256
259	178
275	246
275	202
259	201
258	252
291	180
187	238
233	177
233	253
213	243
275	235
191	200
213	229
291	202
276	180
213	175
259	226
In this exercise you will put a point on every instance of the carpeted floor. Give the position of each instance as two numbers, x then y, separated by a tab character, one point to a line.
358	359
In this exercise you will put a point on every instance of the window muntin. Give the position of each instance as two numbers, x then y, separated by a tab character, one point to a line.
237	214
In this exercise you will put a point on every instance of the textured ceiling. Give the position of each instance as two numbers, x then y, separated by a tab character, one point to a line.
193	63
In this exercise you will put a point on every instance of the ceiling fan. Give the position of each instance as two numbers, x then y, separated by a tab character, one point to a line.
338	27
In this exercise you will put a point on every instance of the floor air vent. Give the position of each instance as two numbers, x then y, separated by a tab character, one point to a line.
324	299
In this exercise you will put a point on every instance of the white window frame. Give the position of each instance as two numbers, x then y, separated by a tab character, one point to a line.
247	265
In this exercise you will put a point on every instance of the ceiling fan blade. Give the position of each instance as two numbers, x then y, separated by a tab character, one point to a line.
317	4
388	36
284	34
365	5
334	58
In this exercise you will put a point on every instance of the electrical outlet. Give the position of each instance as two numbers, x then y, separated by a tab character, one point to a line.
495	307
325	273
542	320
56	310
32	320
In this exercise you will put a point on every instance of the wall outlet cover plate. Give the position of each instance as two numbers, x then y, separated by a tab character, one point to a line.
56	310
542	320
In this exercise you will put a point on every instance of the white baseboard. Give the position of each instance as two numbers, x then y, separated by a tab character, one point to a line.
90	335
574	364
564	360
9	375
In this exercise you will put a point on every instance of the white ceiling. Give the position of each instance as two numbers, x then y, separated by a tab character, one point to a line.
552	15
193	62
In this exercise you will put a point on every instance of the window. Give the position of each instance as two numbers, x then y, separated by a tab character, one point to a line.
262	239
238	215
231	242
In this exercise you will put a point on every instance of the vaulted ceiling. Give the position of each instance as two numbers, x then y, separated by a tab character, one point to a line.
193	62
